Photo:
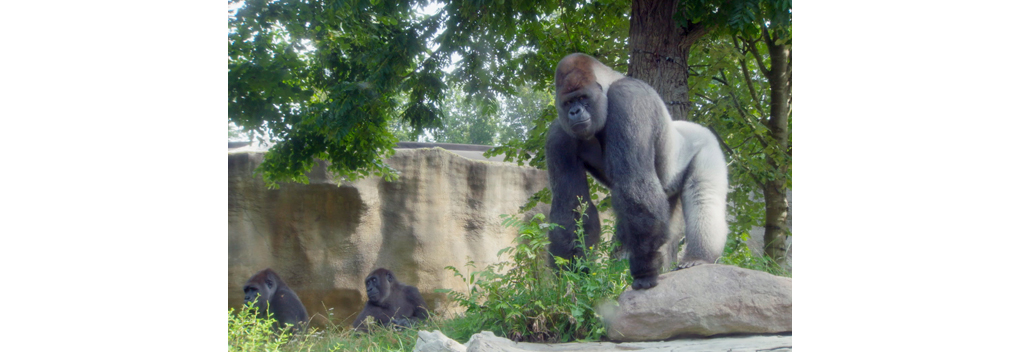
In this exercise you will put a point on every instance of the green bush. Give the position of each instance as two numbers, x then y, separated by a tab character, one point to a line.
247	332
524	299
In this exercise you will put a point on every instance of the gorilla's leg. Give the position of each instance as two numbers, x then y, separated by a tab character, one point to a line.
635	128
567	181
642	224
704	207
674	233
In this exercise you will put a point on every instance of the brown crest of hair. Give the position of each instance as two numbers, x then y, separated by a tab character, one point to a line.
574	72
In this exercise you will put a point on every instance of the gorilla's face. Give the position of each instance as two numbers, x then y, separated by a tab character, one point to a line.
582	113
378	287
259	291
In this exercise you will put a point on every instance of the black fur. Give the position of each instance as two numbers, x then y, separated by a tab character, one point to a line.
267	287
391	302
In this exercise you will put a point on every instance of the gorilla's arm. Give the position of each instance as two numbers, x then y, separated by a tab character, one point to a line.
567	181
631	132
420	311
287	308
361	318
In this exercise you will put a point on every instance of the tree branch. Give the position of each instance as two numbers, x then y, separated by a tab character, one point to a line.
757	57
747	79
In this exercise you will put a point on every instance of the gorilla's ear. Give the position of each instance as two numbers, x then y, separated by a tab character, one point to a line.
600	86
389	277
269	283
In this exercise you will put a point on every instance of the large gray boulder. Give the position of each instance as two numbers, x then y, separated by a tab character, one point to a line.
704	300
486	341
435	341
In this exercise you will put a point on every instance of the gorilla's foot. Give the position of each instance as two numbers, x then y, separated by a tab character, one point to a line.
644	283
685	265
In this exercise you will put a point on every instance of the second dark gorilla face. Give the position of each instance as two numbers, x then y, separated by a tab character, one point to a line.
378	286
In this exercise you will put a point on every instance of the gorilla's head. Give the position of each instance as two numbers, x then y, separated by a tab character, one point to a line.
260	288
378	285
580	99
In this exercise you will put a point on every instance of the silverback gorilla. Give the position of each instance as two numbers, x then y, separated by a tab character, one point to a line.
266	286
391	302
618	129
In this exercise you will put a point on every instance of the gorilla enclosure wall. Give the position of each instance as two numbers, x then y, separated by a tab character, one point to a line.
323	239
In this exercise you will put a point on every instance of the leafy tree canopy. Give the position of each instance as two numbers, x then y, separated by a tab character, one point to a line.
327	79
340	80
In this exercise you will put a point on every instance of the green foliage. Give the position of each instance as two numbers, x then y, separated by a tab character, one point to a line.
524	299
323	80
738	16
246	332
342	81
740	254
732	94
467	121
531	148
520	112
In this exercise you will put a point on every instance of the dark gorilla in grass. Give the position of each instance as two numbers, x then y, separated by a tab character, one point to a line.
267	288
618	130
391	302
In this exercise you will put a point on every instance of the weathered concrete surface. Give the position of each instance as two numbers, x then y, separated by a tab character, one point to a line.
324	238
704	300
486	341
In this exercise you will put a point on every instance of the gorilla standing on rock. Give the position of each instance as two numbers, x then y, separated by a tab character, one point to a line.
267	287
618	129
391	302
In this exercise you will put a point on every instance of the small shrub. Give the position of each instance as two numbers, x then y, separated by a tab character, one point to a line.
247	332
524	299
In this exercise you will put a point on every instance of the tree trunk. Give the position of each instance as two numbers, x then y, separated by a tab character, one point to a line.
781	101
658	56
658	52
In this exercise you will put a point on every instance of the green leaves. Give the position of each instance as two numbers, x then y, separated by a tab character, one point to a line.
732	82
326	71
530	301
738	16
322	80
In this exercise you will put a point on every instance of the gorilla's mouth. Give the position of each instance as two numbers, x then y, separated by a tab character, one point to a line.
580	126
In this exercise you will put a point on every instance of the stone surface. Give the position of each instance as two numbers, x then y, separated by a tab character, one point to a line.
704	300
323	238
435	341
486	341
